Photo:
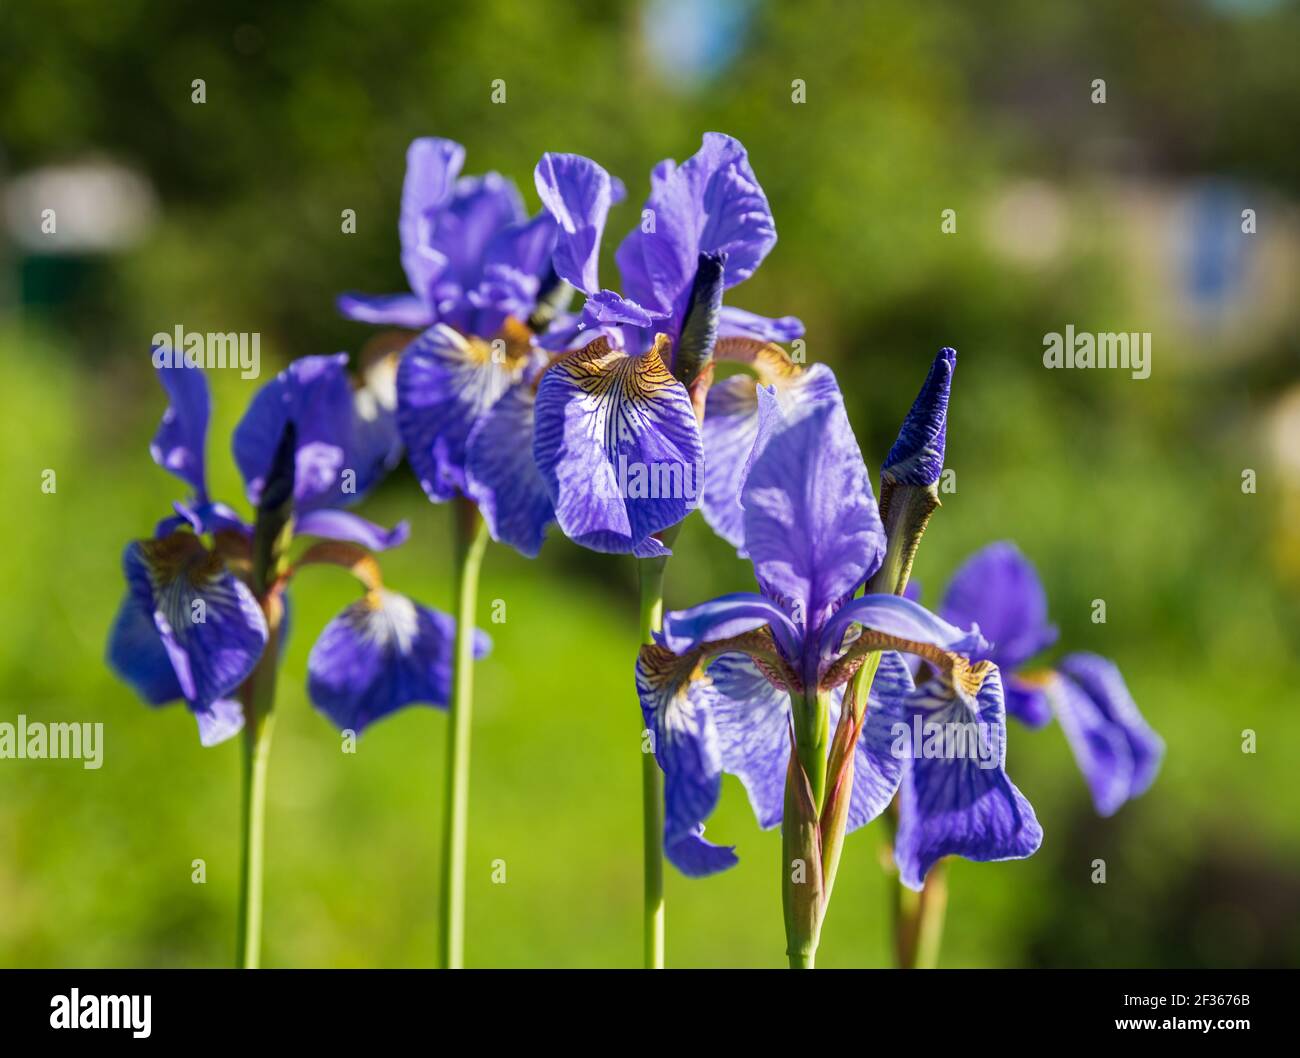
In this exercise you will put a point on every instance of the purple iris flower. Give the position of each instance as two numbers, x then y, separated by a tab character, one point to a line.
618	436
719	686
1116	749
485	285
471	255
191	627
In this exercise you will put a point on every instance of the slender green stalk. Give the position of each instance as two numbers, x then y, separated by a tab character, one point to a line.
652	780
918	917
258	696
471	537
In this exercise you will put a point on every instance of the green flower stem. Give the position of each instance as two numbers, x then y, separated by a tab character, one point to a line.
471	537
652	781
918	917
258	698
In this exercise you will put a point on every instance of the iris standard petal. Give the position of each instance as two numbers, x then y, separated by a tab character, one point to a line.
917	455
998	589
955	798
432	165
502	476
526	246
578	194
396	310
712	203
332	465
181	440
446	381
1099	678
480	207
811	525
617	443
731	429
208	621
381	653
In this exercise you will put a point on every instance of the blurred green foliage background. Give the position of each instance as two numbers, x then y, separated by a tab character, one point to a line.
1117	216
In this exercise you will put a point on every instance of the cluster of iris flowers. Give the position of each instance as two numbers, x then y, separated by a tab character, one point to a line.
605	420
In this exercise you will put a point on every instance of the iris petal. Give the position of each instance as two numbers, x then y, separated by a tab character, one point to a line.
432	165
1100	679
730	431
727	616
877	770
315	394
460	233
678	702
998	589
1025	702
738	323
444	384
578	194
617	443
208	622
331	524
502	476
676	710
182	435
961	804
223	719
811	525
901	619
712	203
1099	747
136	653
752	717
397	310
381	653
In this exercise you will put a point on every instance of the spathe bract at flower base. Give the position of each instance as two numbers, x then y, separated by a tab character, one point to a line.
205	619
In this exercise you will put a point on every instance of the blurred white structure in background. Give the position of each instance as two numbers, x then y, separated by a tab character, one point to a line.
99	207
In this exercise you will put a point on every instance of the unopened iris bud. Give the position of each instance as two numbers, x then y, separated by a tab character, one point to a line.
909	491
275	509
693	357
917	455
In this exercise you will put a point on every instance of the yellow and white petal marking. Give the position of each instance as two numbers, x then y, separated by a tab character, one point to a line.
619	388
385	619
180	569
